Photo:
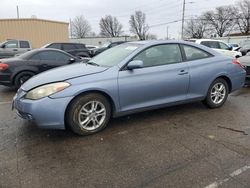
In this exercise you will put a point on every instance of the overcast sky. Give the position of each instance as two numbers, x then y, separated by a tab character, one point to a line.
157	11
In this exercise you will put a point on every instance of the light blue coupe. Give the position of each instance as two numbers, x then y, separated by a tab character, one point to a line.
129	78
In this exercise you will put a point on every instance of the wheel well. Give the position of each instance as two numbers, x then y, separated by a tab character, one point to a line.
13	80
112	104
228	82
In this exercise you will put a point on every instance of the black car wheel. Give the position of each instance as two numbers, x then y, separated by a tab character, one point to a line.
88	114
21	78
217	94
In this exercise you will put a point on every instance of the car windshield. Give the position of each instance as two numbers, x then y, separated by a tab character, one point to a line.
114	55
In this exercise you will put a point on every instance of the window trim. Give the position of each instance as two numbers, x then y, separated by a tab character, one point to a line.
124	67
184	53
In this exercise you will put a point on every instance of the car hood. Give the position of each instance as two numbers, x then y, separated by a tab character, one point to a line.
61	74
245	60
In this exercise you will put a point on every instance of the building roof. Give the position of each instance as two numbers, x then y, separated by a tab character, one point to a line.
33	19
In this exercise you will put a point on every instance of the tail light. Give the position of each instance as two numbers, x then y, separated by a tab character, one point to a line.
237	62
3	66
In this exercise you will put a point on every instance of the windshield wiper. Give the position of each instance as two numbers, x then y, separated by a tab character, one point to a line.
92	63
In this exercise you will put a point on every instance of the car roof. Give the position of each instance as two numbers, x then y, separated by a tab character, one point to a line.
200	40
32	52
146	43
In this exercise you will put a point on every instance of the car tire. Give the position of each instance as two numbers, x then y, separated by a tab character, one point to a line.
88	114
217	93
22	77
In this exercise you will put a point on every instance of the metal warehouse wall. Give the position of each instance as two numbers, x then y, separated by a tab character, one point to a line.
98	41
38	32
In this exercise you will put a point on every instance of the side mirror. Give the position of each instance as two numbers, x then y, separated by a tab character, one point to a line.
72	60
135	64
3	46
230	48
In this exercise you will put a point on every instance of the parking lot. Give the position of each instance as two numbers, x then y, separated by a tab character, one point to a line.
183	146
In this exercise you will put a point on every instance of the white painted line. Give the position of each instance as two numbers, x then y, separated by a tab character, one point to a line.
7	102
233	174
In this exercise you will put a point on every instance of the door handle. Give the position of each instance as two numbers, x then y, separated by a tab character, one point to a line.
14	49
183	72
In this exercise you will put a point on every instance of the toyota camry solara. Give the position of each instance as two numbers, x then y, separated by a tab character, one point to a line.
129	78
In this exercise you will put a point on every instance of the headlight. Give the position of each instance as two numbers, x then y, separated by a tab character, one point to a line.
46	90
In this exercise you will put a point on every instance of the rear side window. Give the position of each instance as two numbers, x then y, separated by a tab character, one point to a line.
193	53
35	57
223	46
48	56
54	56
24	44
68	46
62	57
80	46
211	44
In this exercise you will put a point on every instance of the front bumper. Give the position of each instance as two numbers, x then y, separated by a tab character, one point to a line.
247	81
46	113
5	79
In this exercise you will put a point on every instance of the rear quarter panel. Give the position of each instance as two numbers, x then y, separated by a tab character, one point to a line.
203	72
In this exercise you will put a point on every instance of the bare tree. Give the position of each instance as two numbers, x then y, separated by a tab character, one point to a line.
195	28
110	27
138	25
221	20
243	16
151	37
80	27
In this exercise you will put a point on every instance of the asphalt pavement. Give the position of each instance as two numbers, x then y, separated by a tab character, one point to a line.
183	146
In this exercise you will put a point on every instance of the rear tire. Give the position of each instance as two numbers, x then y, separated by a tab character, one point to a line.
217	94
21	78
88	114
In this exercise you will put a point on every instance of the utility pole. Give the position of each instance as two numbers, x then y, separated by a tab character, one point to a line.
17	12
167	32
70	27
182	21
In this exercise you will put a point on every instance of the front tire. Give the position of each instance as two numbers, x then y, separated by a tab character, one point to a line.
21	78
88	114
217	94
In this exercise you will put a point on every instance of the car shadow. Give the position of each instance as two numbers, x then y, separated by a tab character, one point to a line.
116	125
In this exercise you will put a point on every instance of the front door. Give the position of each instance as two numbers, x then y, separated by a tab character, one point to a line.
163	79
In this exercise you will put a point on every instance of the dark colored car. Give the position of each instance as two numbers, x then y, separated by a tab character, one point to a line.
244	47
75	49
105	47
15	71
245	60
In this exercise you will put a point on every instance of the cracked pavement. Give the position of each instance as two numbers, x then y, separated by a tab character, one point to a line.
182	146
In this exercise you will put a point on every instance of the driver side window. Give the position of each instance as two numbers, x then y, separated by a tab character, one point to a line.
11	44
160	55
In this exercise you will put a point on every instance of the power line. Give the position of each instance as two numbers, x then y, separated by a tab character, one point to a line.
165	23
